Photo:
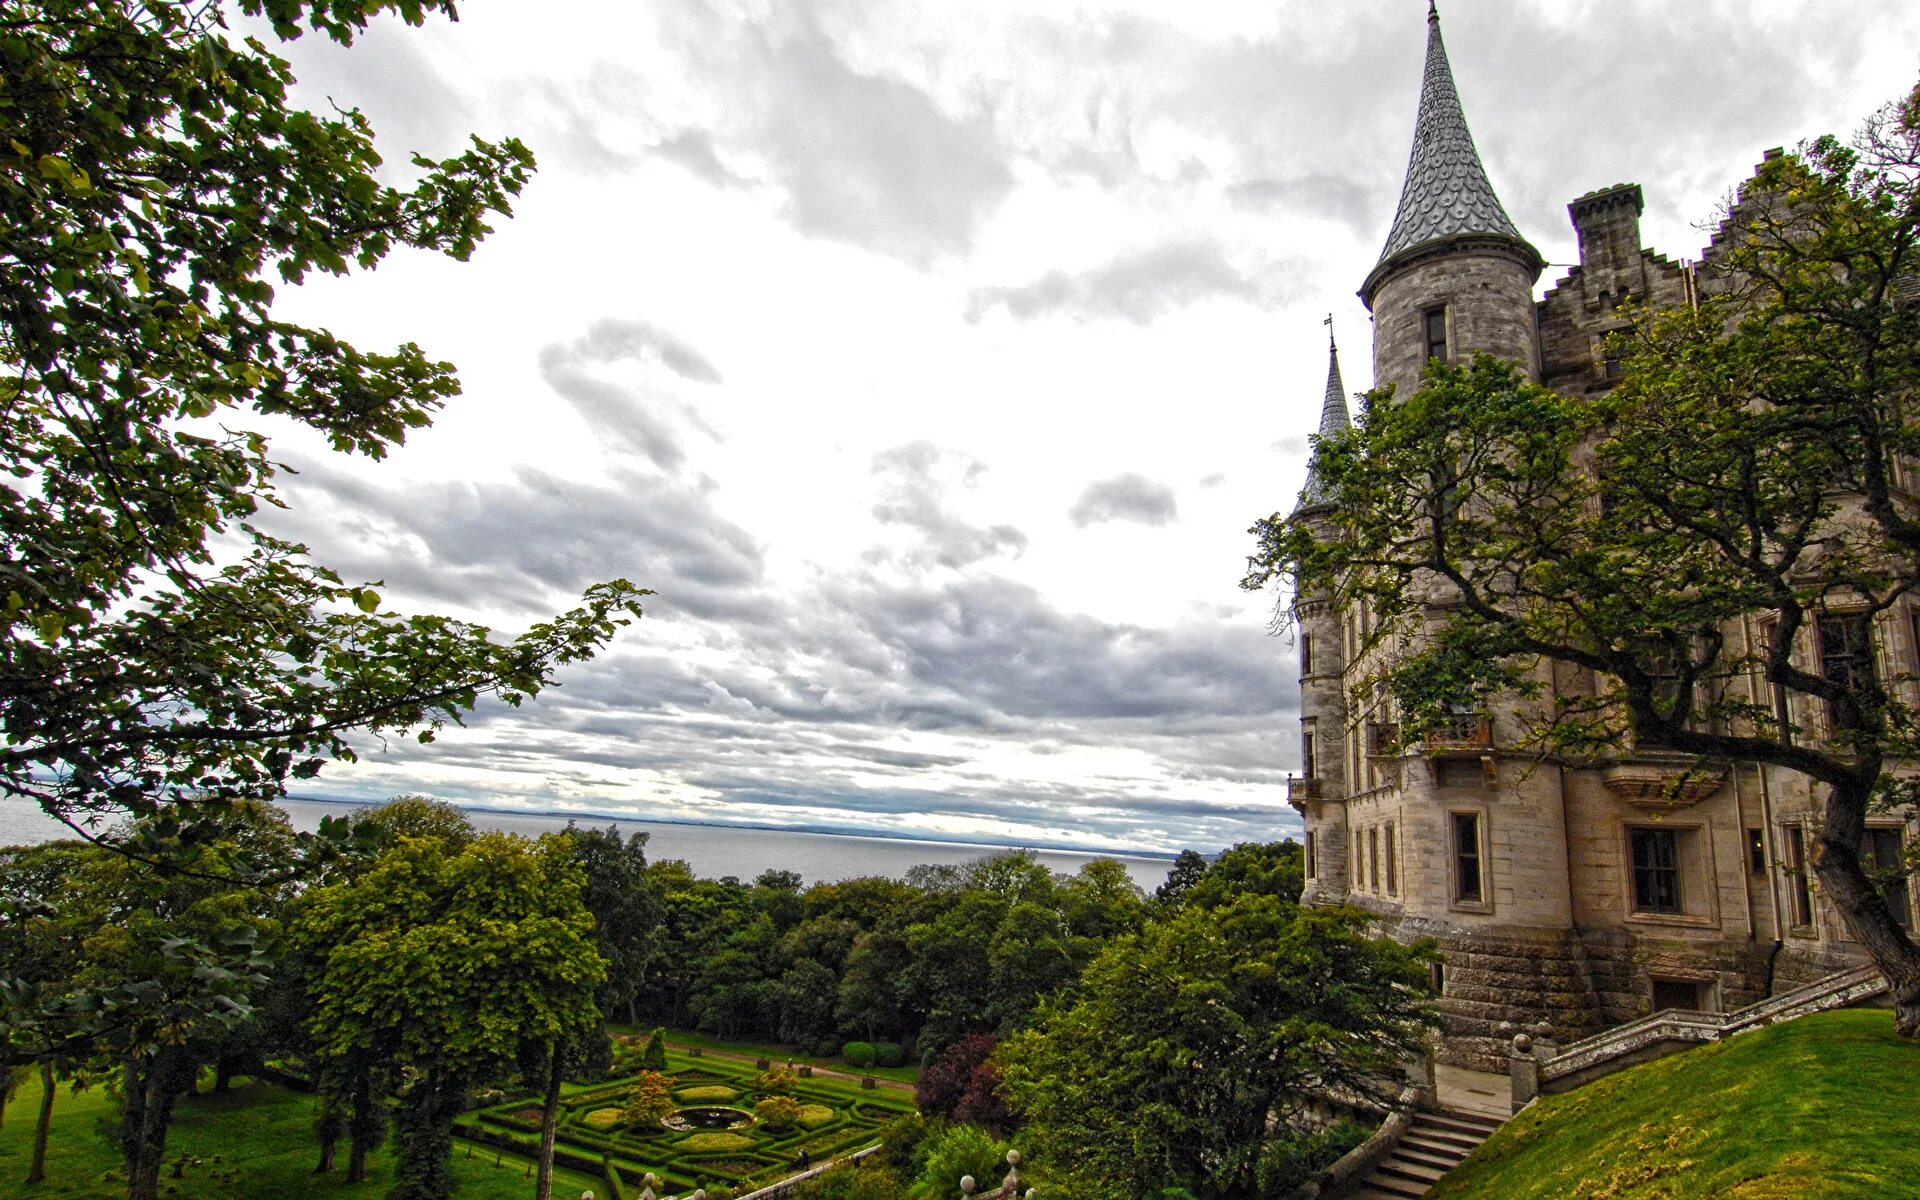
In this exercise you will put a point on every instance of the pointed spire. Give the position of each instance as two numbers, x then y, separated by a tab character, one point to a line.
1333	420
1446	193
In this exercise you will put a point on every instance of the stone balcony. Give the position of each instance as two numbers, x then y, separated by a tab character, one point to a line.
1302	791
1661	781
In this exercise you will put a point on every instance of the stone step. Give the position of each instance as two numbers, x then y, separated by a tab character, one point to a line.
1455	1121
1399	1189
1429	1157
1367	1193
1412	1172
1439	1140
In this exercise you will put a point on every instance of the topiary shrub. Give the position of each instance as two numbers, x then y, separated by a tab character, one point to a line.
779	1113
858	1054
888	1054
778	1081
654	1057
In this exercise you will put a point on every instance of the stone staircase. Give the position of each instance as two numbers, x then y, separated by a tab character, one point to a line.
1433	1145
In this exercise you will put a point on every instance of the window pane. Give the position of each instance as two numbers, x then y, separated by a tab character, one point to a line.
1884	864
1466	857
1656	871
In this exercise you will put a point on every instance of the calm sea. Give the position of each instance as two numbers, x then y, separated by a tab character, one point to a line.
712	850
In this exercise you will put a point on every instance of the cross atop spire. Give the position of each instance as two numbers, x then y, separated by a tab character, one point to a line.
1446	193
1333	419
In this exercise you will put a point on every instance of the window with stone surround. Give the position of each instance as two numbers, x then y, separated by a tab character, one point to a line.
1309	756
1373	858
1469	878
1393	870
1312	856
1886	865
1306	654
1846	650
1433	331
1756	851
1359	861
1656	871
1799	895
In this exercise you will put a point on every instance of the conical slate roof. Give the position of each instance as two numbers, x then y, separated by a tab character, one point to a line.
1333	419
1446	193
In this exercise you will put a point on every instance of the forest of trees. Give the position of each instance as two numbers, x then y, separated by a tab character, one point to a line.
423	962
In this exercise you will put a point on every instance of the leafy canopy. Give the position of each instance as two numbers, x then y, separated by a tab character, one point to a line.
155	187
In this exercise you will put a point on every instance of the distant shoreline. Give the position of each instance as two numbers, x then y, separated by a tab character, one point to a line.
817	830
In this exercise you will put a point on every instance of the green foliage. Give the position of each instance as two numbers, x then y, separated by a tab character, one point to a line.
155	183
416	817
451	964
858	1054
654	1057
950	1153
1189	1048
853	1181
777	1079
649	1101
778	1113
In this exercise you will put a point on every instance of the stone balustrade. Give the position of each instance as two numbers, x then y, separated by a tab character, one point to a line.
1538	1067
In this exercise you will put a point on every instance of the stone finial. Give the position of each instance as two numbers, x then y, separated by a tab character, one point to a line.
967	1185
1522	1043
700	1194
1542	1030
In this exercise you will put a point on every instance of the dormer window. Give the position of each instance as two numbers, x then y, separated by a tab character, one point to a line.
1433	324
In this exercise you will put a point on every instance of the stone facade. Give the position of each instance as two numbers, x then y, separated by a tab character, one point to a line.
1523	874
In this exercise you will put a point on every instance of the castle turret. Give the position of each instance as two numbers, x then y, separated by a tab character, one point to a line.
1455	277
1323	706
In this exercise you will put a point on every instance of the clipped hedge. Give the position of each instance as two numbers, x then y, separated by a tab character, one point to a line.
858	1054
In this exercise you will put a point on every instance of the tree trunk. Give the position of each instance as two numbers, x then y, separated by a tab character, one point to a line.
38	1170
422	1170
1864	909
549	1122
366	1121
151	1086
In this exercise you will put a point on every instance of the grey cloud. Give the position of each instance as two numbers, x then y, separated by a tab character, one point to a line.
871	160
1137	287
692	149
915	479
1128	497
643	422
526	539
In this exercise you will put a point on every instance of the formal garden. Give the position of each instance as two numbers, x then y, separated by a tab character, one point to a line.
700	1122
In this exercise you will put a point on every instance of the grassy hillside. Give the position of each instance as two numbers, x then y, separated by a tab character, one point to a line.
1826	1106
253	1143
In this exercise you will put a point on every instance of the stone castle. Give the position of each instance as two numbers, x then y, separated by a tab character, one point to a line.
1577	898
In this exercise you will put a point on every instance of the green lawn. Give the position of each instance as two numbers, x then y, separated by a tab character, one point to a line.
1823	1107
771	1051
255	1142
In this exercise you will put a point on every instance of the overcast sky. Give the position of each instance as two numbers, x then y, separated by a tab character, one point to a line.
931	361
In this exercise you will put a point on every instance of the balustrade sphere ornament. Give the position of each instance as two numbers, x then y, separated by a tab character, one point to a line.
1013	1158
966	1185
1542	1031
1522	1043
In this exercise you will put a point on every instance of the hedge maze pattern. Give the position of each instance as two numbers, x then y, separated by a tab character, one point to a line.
836	1118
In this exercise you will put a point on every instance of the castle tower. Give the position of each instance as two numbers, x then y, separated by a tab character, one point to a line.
1323	707
1455	277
